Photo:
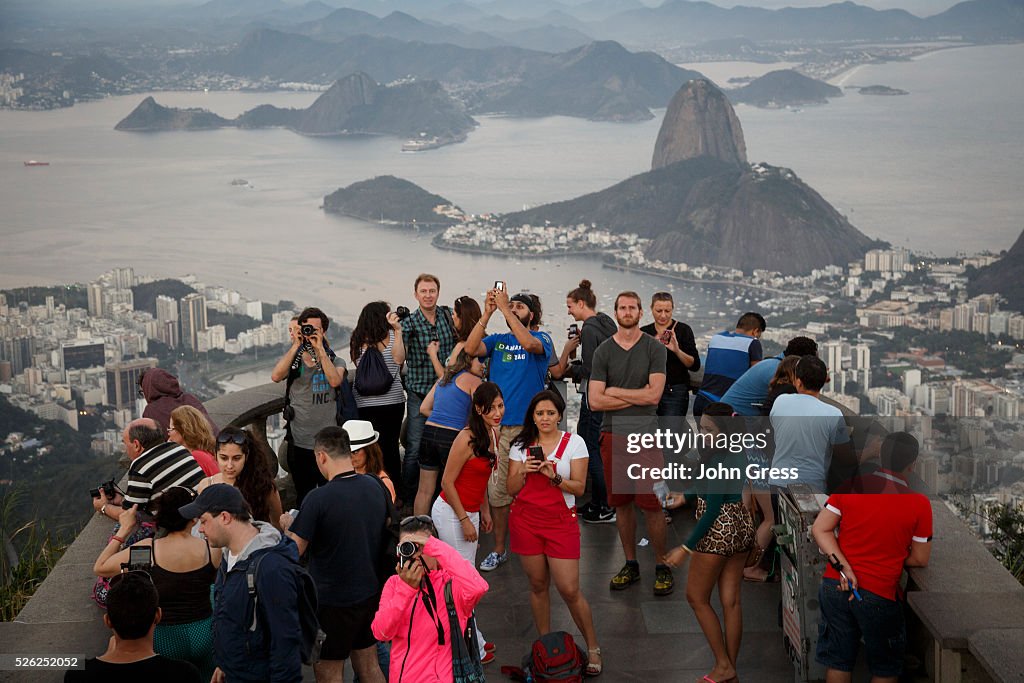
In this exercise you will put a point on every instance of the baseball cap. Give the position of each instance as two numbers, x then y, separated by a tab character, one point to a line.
215	498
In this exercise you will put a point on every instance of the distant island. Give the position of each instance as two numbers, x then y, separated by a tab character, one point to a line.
882	90
355	105
783	88
394	201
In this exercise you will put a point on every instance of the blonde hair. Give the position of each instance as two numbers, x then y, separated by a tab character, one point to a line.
194	429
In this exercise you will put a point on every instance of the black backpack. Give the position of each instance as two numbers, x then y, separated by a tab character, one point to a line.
312	637
372	375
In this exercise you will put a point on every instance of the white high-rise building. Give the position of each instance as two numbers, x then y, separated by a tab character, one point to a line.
911	380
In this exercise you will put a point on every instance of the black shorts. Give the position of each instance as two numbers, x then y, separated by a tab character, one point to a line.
435	444
347	628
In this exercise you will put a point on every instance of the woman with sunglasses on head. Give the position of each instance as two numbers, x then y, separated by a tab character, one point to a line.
465	314
718	546
447	407
462	511
246	466
547	470
413	614
184	567
189	428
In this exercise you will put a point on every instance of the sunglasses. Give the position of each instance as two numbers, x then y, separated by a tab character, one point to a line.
237	439
423	519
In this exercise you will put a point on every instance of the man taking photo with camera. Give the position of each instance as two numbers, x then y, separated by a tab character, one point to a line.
314	374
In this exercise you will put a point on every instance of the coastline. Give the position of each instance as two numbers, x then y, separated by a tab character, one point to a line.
698	281
840	78
441	244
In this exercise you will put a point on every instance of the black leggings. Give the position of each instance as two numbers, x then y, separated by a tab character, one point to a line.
305	474
387	420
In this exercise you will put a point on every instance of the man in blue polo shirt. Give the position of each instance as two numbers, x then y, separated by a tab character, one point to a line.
519	366
748	393
730	354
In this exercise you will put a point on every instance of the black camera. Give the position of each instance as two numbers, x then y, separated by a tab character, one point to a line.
402	312
307	330
105	489
406	551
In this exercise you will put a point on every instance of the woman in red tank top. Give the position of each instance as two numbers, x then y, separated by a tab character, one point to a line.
461	511
547	470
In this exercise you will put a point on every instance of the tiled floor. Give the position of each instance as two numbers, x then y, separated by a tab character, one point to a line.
644	638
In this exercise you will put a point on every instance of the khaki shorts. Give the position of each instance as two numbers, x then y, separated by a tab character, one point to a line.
497	485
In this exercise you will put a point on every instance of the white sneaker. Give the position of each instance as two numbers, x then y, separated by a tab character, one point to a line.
493	561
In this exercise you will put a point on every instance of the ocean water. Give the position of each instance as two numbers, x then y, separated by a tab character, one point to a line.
939	169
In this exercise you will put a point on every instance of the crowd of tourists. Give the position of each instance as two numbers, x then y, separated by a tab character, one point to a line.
447	423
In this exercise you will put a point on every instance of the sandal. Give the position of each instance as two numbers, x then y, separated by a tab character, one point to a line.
754	556
594	669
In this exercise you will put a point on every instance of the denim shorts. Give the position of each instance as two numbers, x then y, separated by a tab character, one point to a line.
844	622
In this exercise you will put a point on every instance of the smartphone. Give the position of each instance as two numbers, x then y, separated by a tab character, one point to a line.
661	491
537	453
499	285
666	337
574	331
140	557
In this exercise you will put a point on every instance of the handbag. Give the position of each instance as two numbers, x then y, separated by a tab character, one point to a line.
466	666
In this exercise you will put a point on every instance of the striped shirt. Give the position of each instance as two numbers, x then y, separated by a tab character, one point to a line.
157	470
395	393
729	356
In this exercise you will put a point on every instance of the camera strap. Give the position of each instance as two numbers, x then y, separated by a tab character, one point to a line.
429	598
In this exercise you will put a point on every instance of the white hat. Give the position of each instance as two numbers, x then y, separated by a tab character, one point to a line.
360	433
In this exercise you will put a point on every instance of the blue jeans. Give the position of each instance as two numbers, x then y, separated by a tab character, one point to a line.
589	427
675	400
413	434
845	622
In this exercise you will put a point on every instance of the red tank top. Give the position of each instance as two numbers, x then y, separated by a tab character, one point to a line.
471	483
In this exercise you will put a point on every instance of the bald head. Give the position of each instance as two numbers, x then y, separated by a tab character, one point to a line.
141	435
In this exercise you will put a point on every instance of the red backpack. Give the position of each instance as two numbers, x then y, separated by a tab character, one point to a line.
554	658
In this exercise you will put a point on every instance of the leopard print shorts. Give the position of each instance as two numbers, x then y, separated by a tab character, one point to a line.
732	532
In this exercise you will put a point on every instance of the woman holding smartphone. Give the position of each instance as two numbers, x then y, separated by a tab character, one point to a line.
682	355
547	470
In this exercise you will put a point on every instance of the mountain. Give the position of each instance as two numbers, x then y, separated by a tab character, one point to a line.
701	209
699	122
150	116
600	80
346	22
355	105
783	88
387	198
981	20
1005	276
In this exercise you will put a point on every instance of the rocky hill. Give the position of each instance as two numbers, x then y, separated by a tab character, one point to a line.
699	122
703	204
1005	276
784	88
387	198
355	105
149	116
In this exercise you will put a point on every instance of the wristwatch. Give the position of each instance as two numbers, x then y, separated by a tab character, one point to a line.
103	510
557	480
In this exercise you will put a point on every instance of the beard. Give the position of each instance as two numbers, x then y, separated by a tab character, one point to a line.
627	323
525	320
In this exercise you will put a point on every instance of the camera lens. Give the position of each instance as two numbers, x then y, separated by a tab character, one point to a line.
402	312
307	330
406	549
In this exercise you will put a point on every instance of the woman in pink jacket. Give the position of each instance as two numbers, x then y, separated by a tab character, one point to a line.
412	613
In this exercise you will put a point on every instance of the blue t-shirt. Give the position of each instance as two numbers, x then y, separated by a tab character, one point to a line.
752	387
519	374
729	356
342	521
805	431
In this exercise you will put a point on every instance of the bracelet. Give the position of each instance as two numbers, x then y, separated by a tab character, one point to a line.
117	538
464	518
687	550
557	480
481	324
103	510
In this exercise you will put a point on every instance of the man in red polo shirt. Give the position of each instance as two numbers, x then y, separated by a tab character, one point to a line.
881	531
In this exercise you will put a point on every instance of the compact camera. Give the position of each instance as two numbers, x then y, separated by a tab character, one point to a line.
307	330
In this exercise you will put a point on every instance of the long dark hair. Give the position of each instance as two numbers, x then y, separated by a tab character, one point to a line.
463	361
529	433
479	435
166	515
372	328
468	310
255	481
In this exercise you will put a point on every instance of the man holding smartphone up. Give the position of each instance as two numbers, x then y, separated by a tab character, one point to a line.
519	366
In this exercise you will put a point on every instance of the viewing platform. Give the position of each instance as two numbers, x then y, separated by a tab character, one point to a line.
965	615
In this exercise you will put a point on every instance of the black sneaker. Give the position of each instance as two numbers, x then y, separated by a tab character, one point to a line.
664	583
596	515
